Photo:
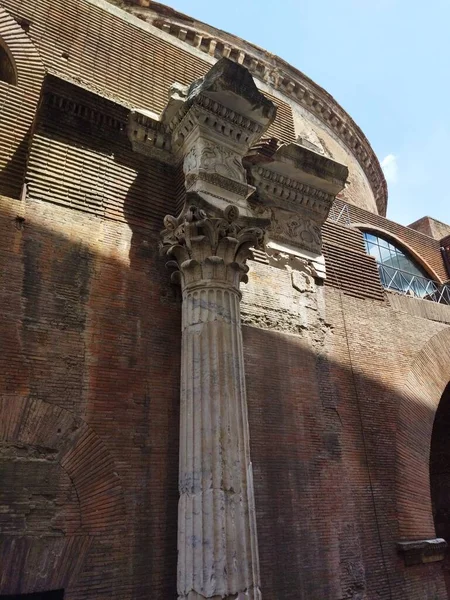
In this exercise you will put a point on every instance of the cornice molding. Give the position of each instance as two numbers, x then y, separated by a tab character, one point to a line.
422	551
295	191
291	193
281	76
217	117
150	137
81	110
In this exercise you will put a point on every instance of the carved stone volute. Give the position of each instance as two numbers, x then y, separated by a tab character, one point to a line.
210	250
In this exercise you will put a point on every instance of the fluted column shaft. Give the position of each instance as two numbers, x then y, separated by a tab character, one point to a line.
217	542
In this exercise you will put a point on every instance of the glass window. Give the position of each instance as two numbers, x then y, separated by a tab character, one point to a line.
398	271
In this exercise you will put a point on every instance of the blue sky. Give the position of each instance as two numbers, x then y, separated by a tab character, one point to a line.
385	61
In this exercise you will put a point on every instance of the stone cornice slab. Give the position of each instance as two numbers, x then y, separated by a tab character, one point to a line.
295	191
150	137
422	551
225	102
293	177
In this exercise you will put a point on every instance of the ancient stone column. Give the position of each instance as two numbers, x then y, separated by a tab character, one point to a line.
213	123
217	542
214	129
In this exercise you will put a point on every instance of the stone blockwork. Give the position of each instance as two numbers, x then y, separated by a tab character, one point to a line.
295	305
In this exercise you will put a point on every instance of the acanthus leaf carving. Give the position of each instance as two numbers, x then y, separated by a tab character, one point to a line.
210	248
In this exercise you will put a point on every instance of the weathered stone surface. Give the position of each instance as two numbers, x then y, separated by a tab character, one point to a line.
296	187
423	551
210	249
217	542
213	123
222	115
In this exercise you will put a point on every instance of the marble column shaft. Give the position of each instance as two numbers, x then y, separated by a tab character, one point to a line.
218	553
217	541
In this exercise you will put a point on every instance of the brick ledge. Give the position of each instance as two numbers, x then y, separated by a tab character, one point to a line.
422	551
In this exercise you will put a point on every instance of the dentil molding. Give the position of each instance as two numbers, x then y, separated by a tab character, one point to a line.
214	128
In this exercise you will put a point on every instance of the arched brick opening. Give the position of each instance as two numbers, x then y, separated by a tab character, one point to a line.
62	494
8	71
420	397
440	467
21	78
440	475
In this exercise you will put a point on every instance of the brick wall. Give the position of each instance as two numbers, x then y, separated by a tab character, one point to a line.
113	57
89	368
18	104
432	227
89	374
323	420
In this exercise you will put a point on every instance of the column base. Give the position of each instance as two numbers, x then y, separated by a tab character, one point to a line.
250	594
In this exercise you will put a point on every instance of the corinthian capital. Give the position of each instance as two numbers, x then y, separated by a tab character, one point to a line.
210	249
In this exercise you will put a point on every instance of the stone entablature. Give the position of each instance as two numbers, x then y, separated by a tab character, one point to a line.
217	135
209	126
295	191
279	75
149	136
213	127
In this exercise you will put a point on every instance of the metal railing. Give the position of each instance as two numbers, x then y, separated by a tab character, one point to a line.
413	285
339	215
394	279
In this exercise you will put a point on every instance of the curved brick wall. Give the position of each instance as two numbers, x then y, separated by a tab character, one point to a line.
343	379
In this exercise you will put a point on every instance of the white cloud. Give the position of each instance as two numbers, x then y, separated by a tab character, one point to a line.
390	168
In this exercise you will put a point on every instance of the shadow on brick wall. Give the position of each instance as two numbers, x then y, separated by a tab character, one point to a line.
91	347
89	410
